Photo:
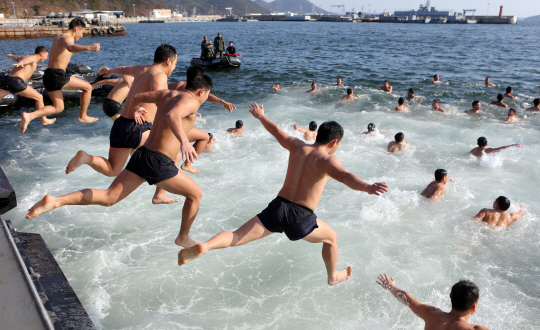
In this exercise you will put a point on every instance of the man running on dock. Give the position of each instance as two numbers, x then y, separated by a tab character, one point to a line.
310	167
153	162
56	78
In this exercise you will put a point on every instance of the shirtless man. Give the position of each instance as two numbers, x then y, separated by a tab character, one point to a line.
153	162
349	96
412	97
488	83
476	105
339	82
436	106
237	129
401	106
499	101
276	87
512	118
127	134
309	134
482	147
498	217
436	188
112	106
313	88
386	87
508	94
14	82
371	129
56	78
398	143
436	79
310	167
464	297
536	106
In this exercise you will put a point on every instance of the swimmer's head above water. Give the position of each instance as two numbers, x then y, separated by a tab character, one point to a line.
410	92
400	101
502	203
482	141
464	295
500	97
440	174
536	102
239	124
349	91
512	112
399	137
509	90
313	126
476	105
370	127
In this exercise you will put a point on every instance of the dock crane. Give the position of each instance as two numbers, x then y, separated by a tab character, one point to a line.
342	6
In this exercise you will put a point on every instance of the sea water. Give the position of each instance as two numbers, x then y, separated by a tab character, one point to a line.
122	261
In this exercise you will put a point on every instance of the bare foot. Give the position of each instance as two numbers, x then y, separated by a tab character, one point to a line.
163	199
47	121
189	168
191	253
44	205
87	119
340	276
25	120
80	158
185	243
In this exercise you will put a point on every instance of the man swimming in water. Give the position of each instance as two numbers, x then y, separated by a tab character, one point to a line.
482	147
464	297
349	96
401	106
56	78
276	87
536	106
14	82
476	105
436	79
313	88
498	217
153	162
127	133
499	101
309	134
237	129
310	167
112	106
386	87
412	97
339	82
512	118
398	143
436	106
436	188
488	83
371	129
508	94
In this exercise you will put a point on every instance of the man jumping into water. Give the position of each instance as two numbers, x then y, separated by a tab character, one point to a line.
112	106
482	147
498	217
153	162
436	188
56	78
309	134
310	167
14	82
464	297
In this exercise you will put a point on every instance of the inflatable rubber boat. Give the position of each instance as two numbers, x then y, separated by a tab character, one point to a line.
224	62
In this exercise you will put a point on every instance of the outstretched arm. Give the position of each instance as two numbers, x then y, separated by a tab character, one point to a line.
130	70
337	172
69	44
284	139
421	310
214	99
14	57
517	215
106	82
490	150
300	129
147	97
24	60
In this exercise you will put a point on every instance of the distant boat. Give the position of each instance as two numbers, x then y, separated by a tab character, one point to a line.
224	62
152	21
230	18
249	20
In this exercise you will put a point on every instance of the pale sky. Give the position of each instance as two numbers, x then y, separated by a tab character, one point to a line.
521	8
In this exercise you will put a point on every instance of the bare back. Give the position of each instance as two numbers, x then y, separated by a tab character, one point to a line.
495	218
434	190
439	320
59	56
26	71
146	78
394	146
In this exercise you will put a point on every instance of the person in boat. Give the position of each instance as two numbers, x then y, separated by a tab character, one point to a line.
112	106
436	79
508	94
401	105
436	188
219	45
349	96
309	168
499	101
56	78
398	143
498	217
339	82
535	107
412	97
206	49
386	87
276	87
237	129
310	133
153	162
464	297
476	105
231	50
483	149
488	82
512	118
14	82
436	106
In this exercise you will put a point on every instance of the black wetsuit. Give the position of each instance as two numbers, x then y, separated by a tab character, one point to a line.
231	50
12	84
111	107
55	79
126	133
151	165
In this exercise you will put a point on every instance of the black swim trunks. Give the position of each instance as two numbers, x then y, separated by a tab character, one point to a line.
282	215
55	79
126	133
151	165
12	84
111	107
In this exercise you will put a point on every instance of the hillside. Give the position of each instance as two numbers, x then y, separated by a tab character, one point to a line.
204	7
533	18
294	6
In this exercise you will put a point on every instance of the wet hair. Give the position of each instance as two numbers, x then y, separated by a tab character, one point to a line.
239	124
370	127
509	89
278	84
401	101
198	82
440	174
193	71
503	203
41	49
411	90
488	77
77	22
328	132
230	42
312	84
464	295
312	126
536	102
437	101
386	81
164	52
482	141
349	91
512	109
399	137
500	97
475	103
435	76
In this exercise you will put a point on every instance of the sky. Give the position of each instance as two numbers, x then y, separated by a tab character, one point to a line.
521	8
